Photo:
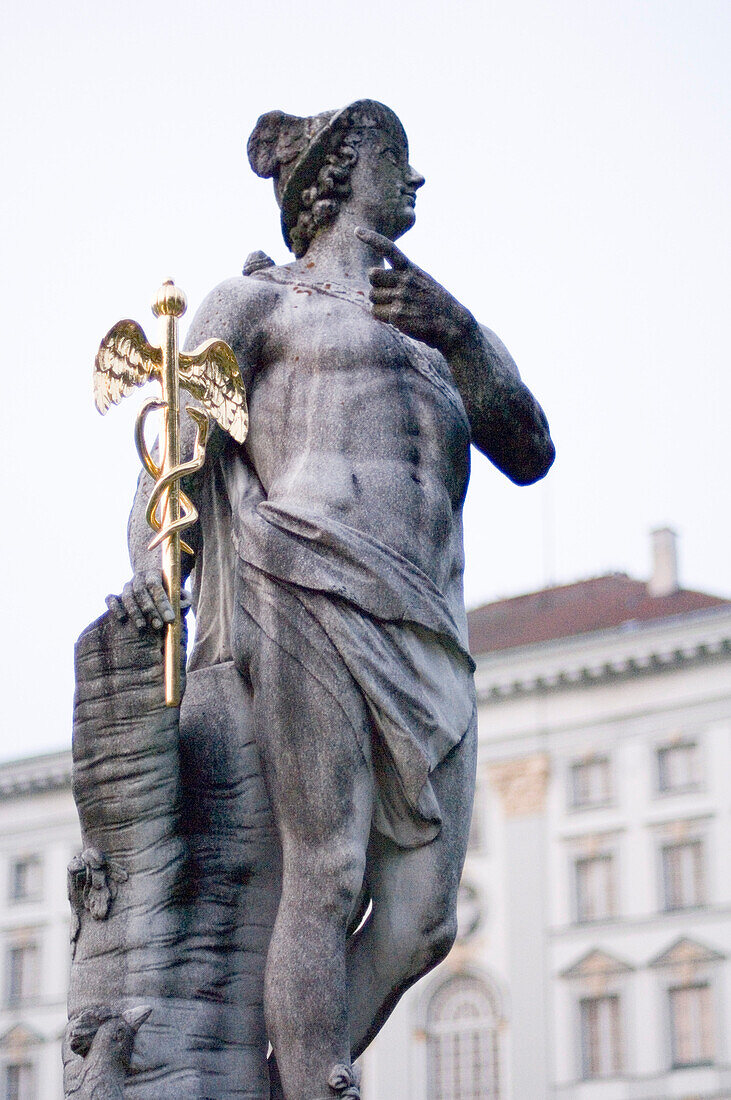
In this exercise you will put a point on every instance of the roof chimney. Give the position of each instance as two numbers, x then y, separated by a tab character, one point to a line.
664	579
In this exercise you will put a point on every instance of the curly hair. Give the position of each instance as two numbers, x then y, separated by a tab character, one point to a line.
320	203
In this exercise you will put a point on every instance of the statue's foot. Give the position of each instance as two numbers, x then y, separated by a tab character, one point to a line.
344	1082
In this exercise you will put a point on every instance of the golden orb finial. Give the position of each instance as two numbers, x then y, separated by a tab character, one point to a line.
170	301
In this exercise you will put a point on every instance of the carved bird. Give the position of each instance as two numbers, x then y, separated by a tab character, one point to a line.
210	374
104	1039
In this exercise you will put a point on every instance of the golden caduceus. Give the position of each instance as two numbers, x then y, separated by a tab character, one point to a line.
211	375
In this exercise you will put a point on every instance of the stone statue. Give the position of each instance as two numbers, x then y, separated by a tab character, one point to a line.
327	582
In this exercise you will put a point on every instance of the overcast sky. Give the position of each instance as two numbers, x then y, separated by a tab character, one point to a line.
577	163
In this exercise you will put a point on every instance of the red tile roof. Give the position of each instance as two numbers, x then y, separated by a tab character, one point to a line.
581	608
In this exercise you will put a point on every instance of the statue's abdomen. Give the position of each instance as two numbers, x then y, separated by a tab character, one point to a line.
360	436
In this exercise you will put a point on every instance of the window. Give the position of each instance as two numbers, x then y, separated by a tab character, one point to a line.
19	1081
21	973
590	782
25	879
691	1025
601	1050
678	767
462	1043
594	887
682	875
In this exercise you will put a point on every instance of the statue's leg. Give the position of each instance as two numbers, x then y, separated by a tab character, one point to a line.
320	786
413	922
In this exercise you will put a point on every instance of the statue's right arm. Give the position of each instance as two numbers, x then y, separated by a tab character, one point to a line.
507	423
236	312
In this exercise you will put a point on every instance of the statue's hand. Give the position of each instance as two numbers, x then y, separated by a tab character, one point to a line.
144	601
405	296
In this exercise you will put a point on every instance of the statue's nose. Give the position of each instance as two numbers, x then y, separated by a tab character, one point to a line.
416	180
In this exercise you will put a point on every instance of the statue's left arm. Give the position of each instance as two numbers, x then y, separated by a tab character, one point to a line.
508	425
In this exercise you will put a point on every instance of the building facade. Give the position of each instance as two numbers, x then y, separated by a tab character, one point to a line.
594	952
39	832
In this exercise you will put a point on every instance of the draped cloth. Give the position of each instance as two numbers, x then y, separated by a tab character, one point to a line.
303	579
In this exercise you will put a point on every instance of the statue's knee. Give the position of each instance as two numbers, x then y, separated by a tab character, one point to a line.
440	940
430	940
331	875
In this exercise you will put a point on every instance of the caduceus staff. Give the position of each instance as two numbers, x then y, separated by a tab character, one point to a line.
211	375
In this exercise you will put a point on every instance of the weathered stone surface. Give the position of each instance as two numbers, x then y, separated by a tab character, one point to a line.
175	817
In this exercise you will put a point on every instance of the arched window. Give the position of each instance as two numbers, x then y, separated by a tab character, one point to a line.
462	1042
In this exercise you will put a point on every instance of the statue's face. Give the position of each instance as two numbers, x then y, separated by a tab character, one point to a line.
384	184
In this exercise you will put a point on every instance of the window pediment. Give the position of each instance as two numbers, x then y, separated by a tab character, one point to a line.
597	963
19	1035
684	951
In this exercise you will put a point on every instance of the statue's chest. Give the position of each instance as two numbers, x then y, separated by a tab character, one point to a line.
320	331
332	365
324	331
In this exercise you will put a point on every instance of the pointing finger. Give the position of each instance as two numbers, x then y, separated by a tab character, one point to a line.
384	247
383	276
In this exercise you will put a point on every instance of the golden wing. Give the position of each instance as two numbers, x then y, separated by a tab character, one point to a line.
211	374
125	359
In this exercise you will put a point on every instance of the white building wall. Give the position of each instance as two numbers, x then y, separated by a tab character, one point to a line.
623	694
37	821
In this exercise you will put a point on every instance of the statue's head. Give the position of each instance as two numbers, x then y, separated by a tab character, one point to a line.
311	161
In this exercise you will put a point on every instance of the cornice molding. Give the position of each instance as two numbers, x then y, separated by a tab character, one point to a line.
565	666
36	775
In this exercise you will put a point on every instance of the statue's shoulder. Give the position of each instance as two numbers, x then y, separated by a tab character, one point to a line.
241	301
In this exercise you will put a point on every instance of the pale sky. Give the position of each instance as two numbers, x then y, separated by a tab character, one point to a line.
577	162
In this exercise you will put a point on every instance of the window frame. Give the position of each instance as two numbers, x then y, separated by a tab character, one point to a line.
25	972
610	997
663	752
33	892
27	1090
580	860
576	801
464	1036
692	985
699	874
